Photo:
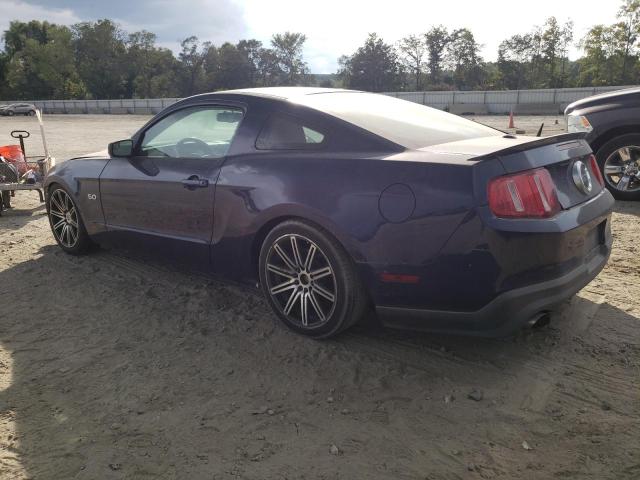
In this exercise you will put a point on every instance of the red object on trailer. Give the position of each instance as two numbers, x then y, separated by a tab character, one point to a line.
13	154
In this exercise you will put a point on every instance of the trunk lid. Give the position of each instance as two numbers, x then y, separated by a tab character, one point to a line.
558	154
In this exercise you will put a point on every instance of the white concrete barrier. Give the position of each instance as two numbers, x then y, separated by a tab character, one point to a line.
550	101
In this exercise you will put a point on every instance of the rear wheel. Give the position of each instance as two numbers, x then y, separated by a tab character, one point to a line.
309	280
31	113
619	160
66	223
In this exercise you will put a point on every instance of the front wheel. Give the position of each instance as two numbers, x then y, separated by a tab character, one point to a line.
66	223
619	161
310	281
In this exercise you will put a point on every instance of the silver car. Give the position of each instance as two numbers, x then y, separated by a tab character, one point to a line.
18	109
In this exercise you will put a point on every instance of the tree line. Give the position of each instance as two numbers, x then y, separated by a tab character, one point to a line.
443	59
99	60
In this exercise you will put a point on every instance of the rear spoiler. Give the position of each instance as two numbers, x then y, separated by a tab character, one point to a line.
563	138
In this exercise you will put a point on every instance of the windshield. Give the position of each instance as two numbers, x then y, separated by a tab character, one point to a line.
406	123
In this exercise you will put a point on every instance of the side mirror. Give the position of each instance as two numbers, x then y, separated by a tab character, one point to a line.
121	148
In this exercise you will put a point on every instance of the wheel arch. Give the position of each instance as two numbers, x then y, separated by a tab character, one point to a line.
612	133
322	224
49	187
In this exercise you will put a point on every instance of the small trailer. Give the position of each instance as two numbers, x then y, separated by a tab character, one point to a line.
23	172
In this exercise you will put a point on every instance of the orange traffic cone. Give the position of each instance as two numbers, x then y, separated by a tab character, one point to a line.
511	125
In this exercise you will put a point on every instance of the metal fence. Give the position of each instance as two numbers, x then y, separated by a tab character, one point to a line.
138	106
550	101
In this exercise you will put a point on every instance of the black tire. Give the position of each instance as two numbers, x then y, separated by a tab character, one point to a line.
604	152
10	113
31	113
81	241
350	299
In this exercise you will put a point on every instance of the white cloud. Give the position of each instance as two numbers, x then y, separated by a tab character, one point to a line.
18	10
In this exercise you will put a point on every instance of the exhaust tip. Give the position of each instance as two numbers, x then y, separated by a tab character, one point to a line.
539	320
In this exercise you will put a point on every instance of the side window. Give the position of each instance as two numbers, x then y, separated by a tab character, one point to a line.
193	132
284	132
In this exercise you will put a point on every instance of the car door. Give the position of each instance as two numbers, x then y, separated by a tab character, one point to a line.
161	198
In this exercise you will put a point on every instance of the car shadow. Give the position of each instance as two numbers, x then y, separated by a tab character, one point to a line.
115	368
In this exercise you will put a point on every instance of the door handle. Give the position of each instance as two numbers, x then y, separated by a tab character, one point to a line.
194	182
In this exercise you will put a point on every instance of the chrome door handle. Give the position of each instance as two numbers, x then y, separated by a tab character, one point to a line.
194	182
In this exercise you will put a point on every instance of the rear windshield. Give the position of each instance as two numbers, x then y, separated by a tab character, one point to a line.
406	123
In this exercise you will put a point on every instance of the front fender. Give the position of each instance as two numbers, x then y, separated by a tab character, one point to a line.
81	178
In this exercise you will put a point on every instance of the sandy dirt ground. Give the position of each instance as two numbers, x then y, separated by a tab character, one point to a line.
116	368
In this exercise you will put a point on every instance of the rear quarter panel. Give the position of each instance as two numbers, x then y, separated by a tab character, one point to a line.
341	193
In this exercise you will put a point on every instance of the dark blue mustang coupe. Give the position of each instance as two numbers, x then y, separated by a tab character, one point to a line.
336	202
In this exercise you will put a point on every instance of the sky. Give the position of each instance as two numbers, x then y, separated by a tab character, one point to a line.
333	27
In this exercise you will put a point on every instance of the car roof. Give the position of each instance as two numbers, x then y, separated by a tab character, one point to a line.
284	93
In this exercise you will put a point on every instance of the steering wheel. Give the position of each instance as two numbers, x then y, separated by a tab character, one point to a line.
193	146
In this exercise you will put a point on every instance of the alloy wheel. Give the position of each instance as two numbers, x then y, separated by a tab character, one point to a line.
622	169
64	218
301	281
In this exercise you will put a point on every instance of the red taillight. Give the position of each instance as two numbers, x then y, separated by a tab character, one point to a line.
530	194
595	168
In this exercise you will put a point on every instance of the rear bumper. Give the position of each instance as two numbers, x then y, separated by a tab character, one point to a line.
507	312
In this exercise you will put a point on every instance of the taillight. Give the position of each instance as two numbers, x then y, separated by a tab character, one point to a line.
595	168
529	194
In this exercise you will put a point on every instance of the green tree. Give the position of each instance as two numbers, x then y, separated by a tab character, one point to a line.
227	67
436	40
191	65
44	67
611	51
373	67
551	39
514	61
4	61
627	33
101	59
251	49
566	37
598	66
151	70
412	54
287	48
463	58
269	71
537	59
16	36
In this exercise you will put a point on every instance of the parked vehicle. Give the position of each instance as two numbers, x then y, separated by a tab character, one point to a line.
18	109
611	122
335	201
